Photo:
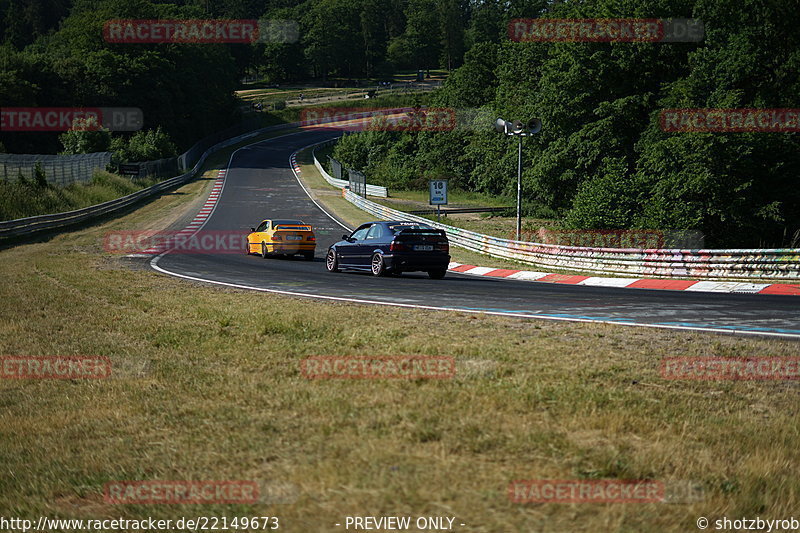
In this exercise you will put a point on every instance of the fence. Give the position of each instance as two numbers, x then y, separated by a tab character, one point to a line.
372	190
60	170
358	182
65	170
159	168
173	165
336	168
23	227
664	263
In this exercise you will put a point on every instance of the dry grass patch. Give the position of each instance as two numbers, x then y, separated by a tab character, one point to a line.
211	389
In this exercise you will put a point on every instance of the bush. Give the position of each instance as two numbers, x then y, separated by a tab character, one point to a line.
39	177
608	201
144	146
85	137
25	198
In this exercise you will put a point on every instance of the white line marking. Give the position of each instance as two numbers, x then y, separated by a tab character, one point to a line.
527	275
608	282
479	271
454	309
727	286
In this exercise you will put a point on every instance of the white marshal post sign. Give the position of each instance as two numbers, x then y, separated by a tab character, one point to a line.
438	190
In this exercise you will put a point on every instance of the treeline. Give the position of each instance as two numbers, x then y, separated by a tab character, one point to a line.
53	54
602	159
188	90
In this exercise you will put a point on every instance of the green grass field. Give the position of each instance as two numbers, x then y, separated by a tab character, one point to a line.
338	97
207	386
20	199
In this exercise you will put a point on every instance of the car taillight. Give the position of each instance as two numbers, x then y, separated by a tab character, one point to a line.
311	238
443	247
277	238
397	246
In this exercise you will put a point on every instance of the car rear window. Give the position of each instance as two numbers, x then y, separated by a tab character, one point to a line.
397	228
289	224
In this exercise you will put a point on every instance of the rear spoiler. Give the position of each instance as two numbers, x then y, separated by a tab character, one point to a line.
295	227
418	231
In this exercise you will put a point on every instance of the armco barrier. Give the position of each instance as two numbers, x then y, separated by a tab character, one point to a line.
372	190
20	227
702	264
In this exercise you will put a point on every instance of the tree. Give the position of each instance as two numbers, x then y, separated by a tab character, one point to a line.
474	84
374	33
22	22
423	33
332	26
85	137
452	18
144	146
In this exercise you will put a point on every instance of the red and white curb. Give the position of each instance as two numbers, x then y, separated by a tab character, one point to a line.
199	219
626	283
630	283
293	160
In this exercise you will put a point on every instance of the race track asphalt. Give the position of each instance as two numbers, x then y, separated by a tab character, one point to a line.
261	184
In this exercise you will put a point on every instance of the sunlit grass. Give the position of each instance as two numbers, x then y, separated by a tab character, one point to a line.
208	386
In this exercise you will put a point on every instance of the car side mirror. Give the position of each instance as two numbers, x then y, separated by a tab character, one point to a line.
252	229
346	238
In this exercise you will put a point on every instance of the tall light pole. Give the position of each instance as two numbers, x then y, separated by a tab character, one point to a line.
520	130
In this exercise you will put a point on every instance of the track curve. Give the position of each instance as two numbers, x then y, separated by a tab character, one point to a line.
261	184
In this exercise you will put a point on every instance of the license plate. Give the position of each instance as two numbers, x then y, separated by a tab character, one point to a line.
294	237
424	247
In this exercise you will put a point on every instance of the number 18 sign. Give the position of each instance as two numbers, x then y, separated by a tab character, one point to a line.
438	189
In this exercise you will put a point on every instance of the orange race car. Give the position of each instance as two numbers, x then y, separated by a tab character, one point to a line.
282	237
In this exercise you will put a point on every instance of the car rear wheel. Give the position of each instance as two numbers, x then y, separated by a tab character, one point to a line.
437	274
378	266
331	262
264	252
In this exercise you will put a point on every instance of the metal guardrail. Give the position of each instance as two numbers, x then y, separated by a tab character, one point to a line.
20	227
462	210
372	190
734	264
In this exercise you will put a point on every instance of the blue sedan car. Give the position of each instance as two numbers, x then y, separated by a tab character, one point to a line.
392	248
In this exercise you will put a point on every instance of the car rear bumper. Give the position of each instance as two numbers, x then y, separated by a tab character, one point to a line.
291	248
417	261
